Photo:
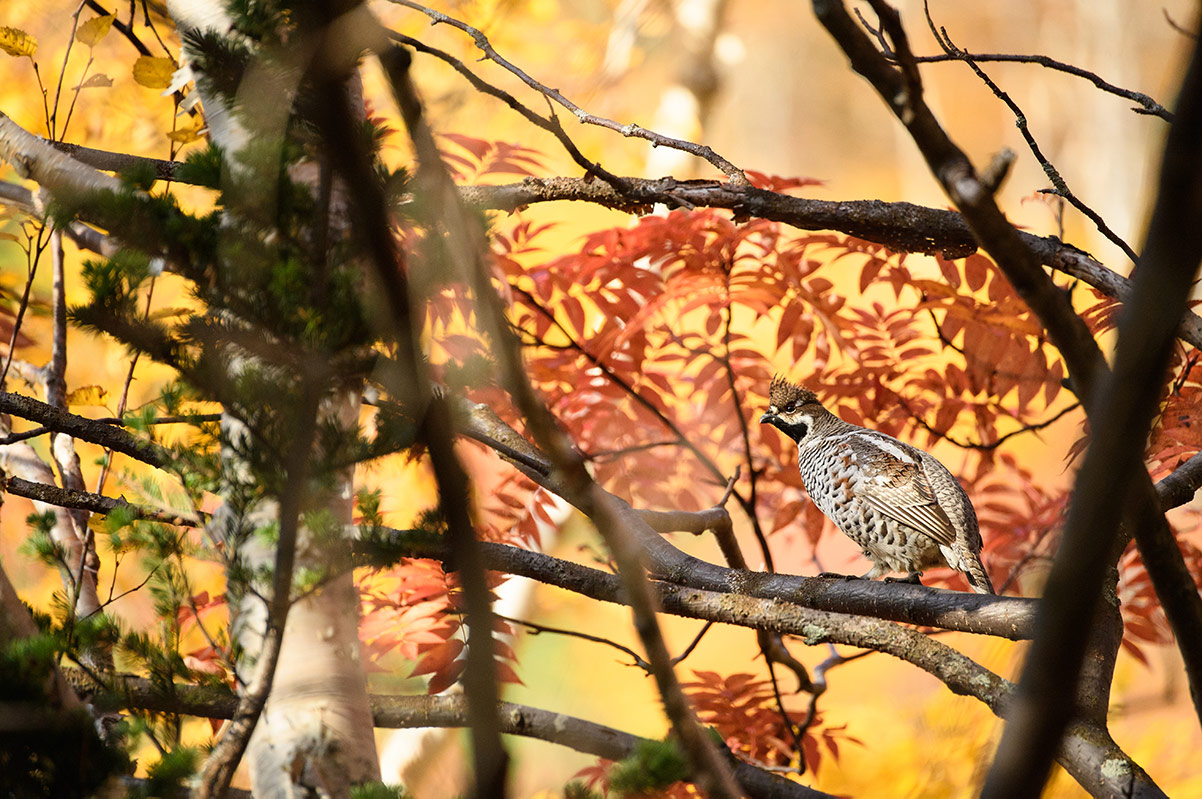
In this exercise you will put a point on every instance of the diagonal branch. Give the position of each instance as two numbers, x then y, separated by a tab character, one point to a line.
467	251
1168	267
384	262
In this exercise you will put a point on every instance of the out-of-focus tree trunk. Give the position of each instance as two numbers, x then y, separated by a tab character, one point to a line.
316	730
685	104
315	733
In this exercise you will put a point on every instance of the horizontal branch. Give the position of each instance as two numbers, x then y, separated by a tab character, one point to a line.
1008	617
898	225
1179	487
109	161
1005	617
401	712
34	158
86	500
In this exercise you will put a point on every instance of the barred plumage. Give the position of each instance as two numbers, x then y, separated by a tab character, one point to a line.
901	506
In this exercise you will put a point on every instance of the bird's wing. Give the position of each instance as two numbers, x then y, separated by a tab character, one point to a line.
900	490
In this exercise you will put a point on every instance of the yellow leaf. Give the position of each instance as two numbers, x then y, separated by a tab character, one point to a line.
97	81
9	237
88	395
184	135
17	42
91	32
154	73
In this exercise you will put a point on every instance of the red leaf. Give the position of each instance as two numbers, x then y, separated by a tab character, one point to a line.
437	658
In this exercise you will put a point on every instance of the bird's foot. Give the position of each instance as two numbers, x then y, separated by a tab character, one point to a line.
914	578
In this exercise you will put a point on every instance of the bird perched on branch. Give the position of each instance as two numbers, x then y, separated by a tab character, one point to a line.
904	508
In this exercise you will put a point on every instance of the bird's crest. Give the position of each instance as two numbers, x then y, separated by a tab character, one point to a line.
781	392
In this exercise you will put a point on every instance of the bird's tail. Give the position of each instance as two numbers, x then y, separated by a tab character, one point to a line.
978	578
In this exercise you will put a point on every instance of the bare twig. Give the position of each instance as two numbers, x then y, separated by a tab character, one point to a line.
752	505
1146	104
657	140
550	123
1002	439
1020	119
1184	31
688	650
536	629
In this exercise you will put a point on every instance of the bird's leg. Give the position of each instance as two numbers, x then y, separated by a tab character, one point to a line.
876	571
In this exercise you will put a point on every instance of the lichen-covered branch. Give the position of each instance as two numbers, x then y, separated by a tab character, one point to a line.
63	421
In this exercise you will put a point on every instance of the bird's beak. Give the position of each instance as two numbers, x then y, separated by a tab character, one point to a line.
768	418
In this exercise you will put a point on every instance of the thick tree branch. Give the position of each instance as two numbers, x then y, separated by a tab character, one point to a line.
1009	617
1086	745
1179	487
898	225
108	161
94	432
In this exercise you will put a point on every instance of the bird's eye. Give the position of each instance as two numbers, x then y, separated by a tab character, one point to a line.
792	406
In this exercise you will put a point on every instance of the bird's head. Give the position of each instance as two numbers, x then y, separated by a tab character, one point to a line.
791	408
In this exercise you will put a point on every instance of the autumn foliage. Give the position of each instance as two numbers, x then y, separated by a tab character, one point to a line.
650	340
